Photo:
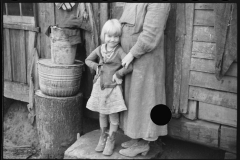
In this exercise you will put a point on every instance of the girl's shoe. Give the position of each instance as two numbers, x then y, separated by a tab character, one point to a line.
108	150
141	147
102	140
129	143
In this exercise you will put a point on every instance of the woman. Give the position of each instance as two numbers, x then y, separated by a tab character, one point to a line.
142	38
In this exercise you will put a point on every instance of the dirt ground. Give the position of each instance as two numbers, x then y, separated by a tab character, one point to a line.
19	132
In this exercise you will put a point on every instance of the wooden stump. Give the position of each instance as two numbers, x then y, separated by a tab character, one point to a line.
58	119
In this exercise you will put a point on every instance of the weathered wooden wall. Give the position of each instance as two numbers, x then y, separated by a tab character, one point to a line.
18	48
202	99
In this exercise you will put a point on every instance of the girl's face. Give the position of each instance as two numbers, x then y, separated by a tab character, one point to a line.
111	40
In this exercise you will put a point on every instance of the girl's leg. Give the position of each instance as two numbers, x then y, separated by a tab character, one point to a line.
103	138
114	122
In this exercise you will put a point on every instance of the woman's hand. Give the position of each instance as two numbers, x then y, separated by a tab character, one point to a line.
127	60
116	79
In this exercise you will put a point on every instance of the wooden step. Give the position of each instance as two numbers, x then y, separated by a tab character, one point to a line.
84	147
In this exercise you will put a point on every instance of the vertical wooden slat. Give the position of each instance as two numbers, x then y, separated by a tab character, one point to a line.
103	14
22	55
30	47
96	15
228	138
186	58
46	18
17	40
180	34
170	54
6	8
7	56
20	8
192	110
27	53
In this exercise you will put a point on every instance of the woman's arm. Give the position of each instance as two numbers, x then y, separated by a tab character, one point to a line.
123	71
153	29
91	59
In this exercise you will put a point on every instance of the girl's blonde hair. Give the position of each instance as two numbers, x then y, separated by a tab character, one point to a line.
111	27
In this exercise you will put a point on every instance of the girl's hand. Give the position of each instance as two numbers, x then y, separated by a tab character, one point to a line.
127	60
117	80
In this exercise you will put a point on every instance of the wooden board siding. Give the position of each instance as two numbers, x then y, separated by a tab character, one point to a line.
208	66
204	17
207	80
204	50
203	34
197	131
192	110
30	38
17	42
229	155
179	43
186	57
116	9
215	97
228	139
17	91
46	17
217	114
204	6
169	52
7	56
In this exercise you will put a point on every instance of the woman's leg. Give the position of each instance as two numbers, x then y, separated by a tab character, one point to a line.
114	122
103	138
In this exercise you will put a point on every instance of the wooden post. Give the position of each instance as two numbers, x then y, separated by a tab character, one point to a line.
59	120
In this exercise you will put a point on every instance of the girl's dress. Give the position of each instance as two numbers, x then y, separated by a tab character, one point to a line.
108	100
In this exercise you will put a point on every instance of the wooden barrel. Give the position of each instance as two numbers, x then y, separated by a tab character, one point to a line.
64	44
58	120
59	80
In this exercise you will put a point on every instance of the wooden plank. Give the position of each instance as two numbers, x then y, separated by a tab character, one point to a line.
30	46
17	91
17	39
7	56
192	110
117	9
217	114
205	65
22	27
204	34
215	97
203	55
229	155
204	17
204	47
228	139
18	19
169	53
207	80
96	14
103	14
22	55
46	18
186	57
197	131
180	39
204	6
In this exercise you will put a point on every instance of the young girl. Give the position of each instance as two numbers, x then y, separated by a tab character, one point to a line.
106	97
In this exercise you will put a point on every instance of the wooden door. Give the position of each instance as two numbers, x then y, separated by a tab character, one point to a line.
19	39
